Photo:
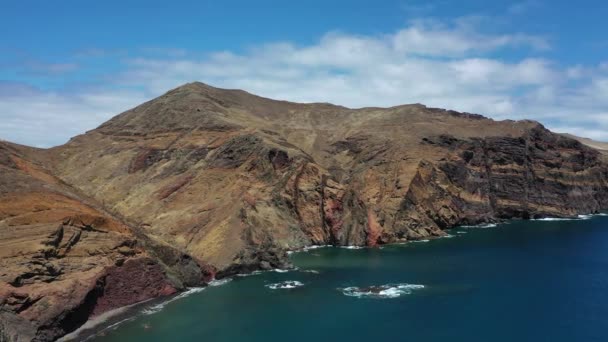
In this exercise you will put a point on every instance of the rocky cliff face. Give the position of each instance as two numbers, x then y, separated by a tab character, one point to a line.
204	179
63	258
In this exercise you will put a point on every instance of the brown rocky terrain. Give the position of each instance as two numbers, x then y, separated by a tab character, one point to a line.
204	179
63	258
598	145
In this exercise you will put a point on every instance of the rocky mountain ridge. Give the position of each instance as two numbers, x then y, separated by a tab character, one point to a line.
205	182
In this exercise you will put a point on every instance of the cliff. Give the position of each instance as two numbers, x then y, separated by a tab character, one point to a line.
203	179
63	258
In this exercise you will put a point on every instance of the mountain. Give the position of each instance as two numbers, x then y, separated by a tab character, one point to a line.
205	182
598	145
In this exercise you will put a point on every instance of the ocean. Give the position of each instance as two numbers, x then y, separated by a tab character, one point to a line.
518	281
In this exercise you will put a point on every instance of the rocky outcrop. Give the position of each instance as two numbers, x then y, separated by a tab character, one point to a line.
63	258
205	183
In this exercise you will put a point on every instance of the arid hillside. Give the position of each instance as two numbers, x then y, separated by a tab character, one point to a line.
205	182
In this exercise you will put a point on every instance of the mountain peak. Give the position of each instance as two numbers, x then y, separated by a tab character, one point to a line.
196	86
199	106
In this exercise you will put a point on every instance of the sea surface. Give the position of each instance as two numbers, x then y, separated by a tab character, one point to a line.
518	281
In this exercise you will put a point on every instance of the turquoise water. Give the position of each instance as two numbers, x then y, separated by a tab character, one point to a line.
521	281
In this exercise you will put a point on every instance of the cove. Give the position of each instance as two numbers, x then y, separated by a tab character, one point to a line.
519	281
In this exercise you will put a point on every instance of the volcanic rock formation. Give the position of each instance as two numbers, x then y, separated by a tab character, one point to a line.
205	182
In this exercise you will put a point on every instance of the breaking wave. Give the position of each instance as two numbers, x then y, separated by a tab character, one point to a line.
381	291
308	248
115	325
310	271
577	218
555	219
288	284
483	225
277	270
352	247
220	282
158	307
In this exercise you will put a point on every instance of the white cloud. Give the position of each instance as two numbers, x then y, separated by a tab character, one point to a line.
441	65
44	119
523	7
427	40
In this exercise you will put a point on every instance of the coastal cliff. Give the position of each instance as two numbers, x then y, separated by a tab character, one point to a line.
205	182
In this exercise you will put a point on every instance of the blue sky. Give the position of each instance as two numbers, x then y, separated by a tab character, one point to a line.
67	66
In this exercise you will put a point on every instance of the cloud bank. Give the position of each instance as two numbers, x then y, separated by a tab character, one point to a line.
451	65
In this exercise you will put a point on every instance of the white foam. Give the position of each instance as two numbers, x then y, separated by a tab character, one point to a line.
190	291
554	219
461	232
288	284
419	241
220	282
115	325
382	291
310	271
579	217
482	226
156	308
309	248
448	236
352	247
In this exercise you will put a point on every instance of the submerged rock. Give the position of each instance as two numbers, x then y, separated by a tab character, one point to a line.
381	291
285	285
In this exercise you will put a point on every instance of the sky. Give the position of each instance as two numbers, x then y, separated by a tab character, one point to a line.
68	66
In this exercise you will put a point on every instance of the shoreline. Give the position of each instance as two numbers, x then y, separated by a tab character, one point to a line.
113	318
109	319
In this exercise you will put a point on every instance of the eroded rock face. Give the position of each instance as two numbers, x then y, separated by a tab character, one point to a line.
205	182
63	258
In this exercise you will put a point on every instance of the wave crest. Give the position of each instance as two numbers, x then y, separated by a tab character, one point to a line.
310	271
482	226
220	282
156	308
